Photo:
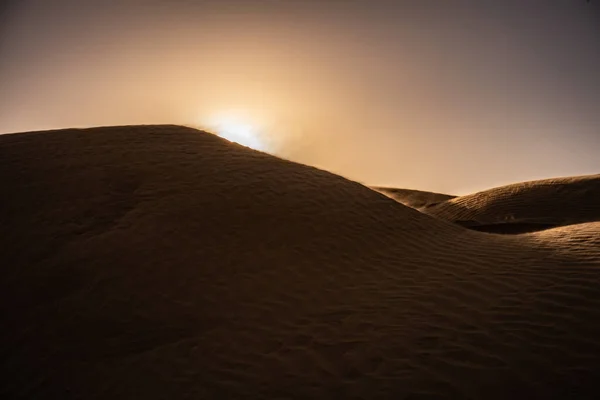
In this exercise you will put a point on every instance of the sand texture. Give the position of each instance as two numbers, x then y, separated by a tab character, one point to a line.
417	199
533	205
161	262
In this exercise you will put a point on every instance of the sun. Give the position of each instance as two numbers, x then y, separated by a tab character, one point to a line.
238	131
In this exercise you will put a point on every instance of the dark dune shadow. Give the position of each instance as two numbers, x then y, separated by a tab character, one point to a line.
508	228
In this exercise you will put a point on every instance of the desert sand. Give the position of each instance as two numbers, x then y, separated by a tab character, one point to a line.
417	199
162	262
535	204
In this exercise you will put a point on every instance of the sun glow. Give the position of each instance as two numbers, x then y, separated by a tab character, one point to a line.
238	131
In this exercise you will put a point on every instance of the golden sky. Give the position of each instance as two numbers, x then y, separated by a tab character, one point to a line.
449	96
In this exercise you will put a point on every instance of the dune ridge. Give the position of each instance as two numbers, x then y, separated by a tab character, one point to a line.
164	262
417	199
547	203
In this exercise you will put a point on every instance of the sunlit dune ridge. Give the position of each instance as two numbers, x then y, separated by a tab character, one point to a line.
560	200
164	262
527	206
414	198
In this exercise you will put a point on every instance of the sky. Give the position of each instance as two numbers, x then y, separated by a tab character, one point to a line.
449	96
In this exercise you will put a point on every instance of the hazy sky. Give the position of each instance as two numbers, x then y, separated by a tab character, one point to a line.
449	96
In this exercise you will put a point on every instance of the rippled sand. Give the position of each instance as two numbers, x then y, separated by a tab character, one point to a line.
161	262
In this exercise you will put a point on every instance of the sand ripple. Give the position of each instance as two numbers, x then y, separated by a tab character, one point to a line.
162	262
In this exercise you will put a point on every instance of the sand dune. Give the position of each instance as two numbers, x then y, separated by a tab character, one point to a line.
527	206
413	198
160	262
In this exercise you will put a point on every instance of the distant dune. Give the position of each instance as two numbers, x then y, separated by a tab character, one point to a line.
162	262
530	206
414	198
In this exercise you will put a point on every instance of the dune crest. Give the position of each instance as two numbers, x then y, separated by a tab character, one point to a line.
417	199
164	262
542	204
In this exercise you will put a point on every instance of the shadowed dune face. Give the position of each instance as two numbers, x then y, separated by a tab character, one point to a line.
164	262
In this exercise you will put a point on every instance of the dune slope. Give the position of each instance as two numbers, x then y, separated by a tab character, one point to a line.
528	206
414	198
163	262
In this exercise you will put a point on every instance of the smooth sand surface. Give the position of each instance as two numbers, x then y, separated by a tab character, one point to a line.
161	262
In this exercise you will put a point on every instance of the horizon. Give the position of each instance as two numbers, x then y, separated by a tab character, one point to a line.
449	97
